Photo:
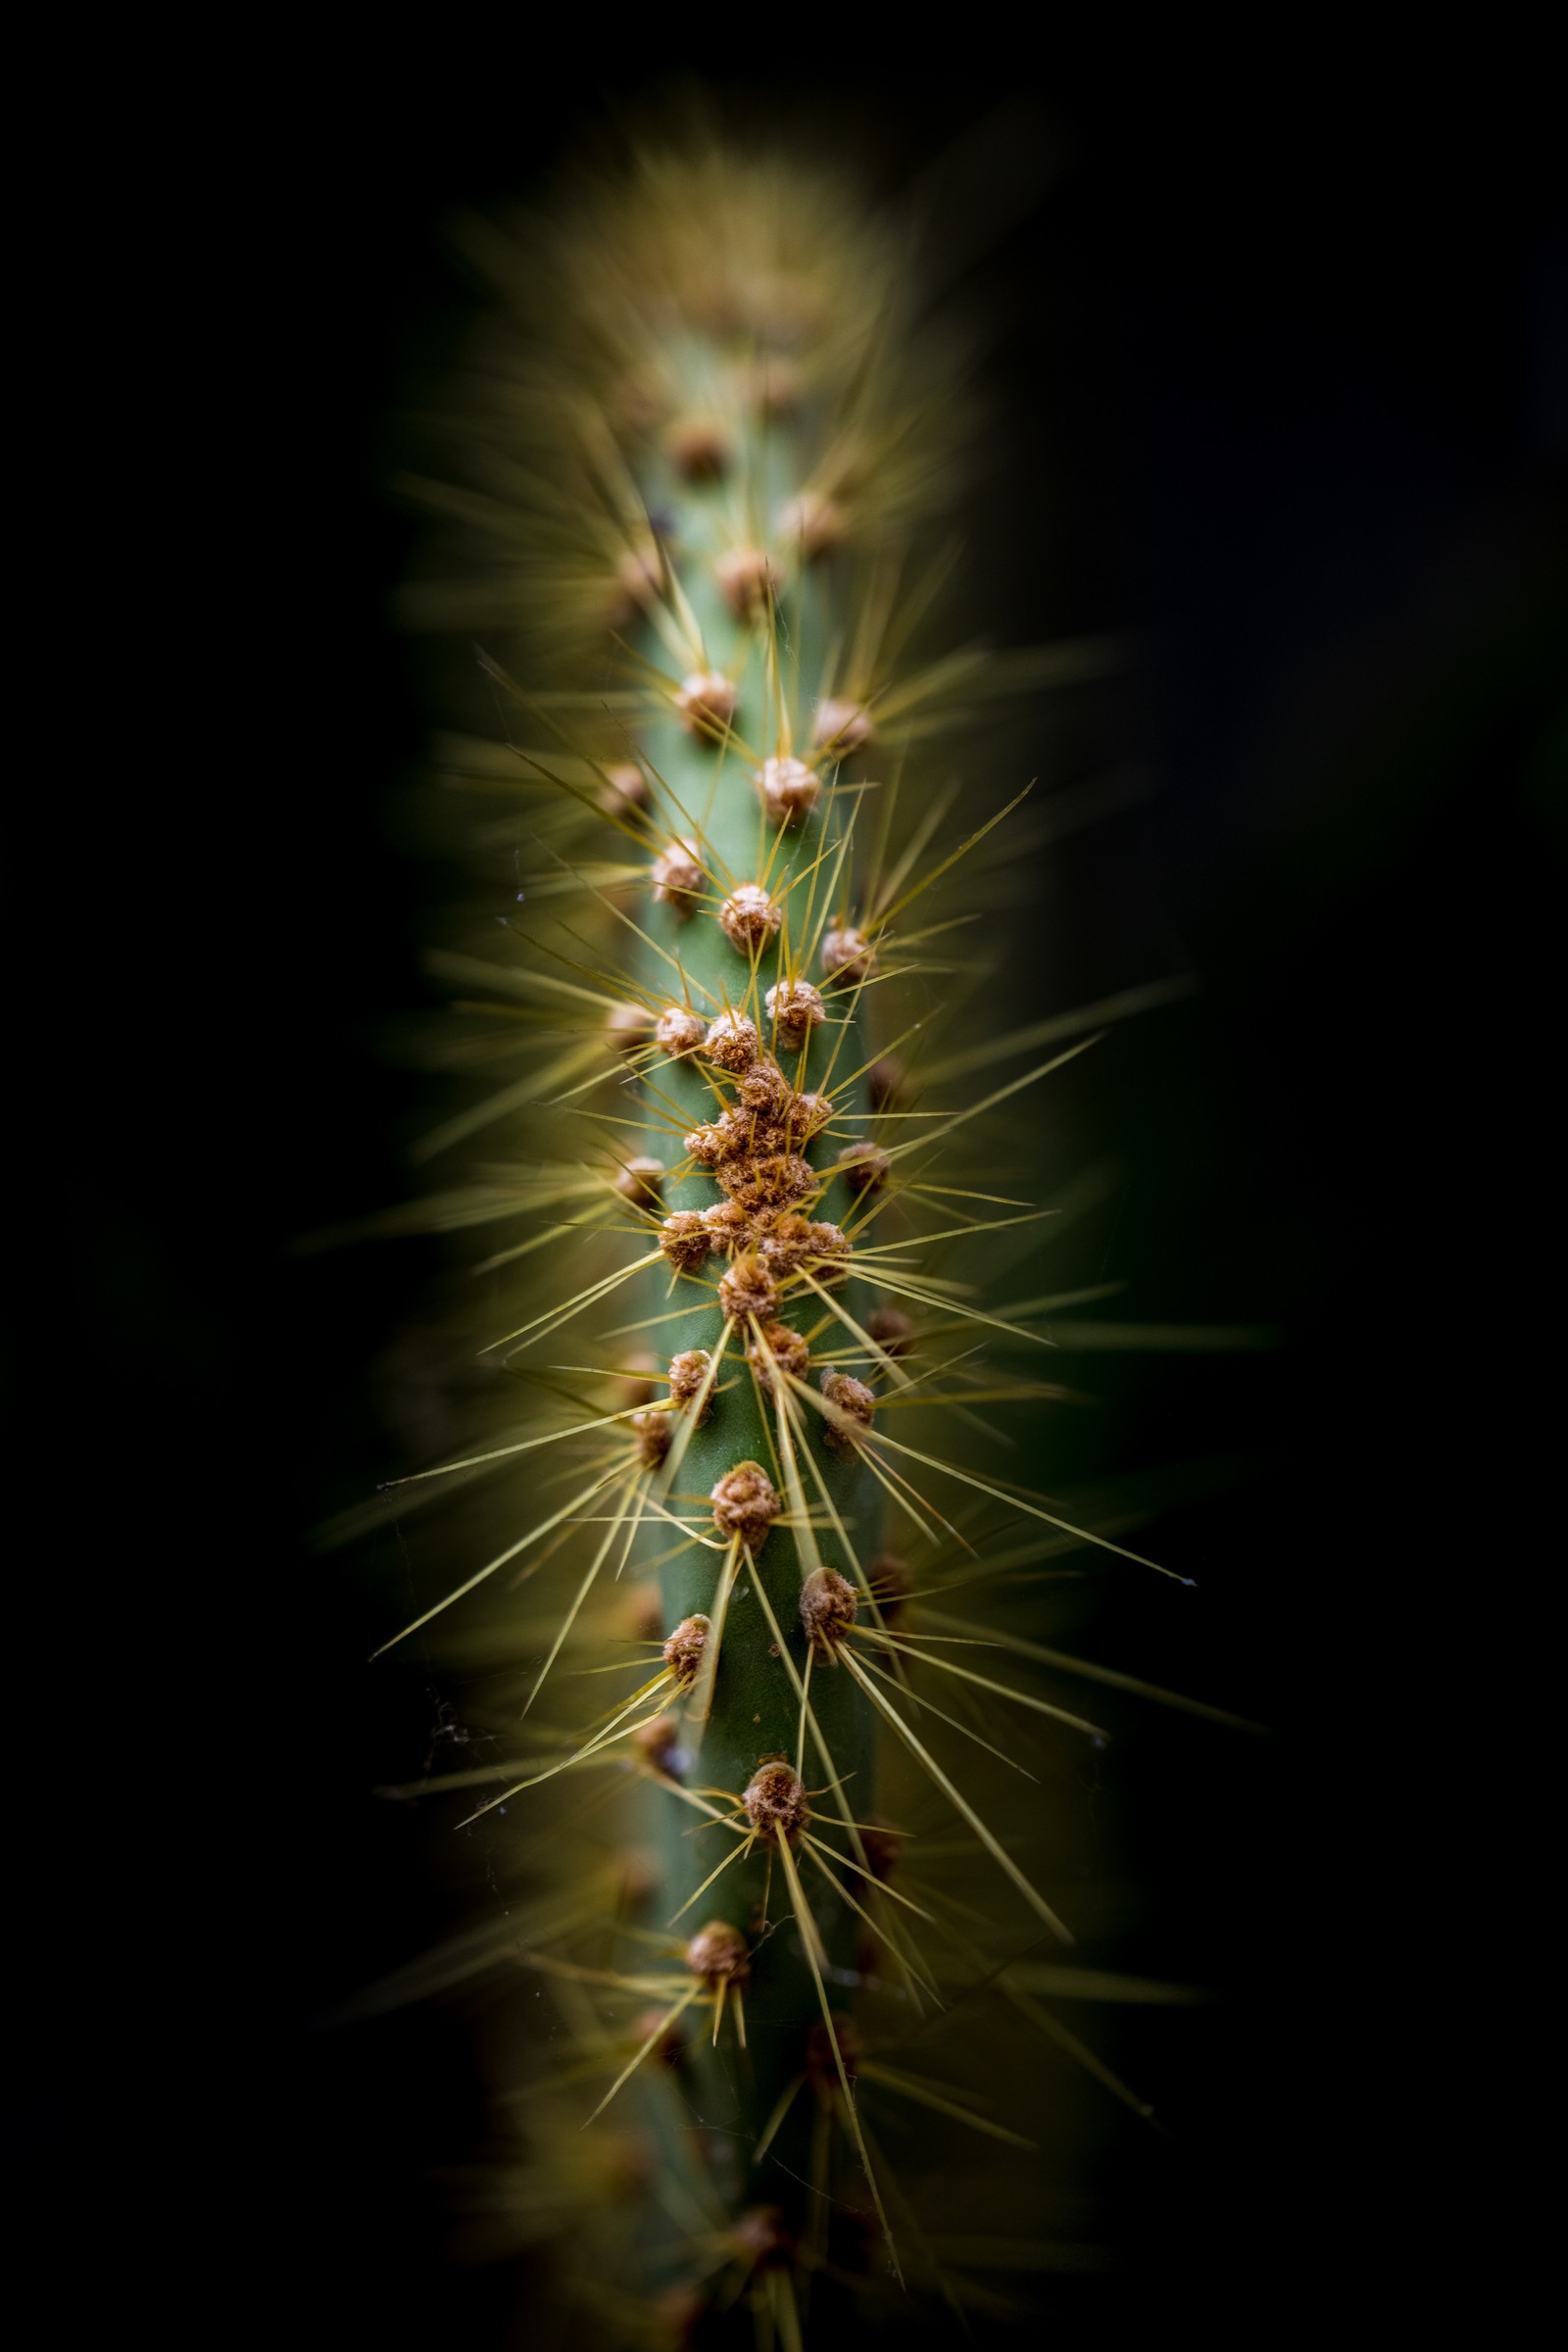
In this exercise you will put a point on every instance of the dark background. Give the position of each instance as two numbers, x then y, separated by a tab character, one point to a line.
1288	370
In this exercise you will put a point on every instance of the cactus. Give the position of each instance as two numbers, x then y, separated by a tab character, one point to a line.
719	1191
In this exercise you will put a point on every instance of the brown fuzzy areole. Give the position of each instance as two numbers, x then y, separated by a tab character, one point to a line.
683	1237
847	955
749	918
796	1008
854	1403
827	1243
717	1954
706	702
746	1502
677	878
787	1246
680	1032
764	1090
865	1167
759	1221
652	1433
829	1608
745	1131
754	1138
748	1290
789	790
732	1042
708	1145
775	1802
625	792
842	726
807	1116
640	1181
683	1652
789	1350
776	1180
687	1372
728	1226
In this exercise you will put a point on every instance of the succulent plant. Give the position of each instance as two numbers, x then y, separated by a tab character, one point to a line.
740	1189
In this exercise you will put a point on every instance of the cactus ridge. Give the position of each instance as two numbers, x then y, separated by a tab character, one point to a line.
737	1434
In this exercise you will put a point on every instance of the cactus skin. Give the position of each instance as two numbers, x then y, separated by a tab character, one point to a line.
717	365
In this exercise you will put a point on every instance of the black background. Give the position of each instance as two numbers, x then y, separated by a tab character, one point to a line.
1287	349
